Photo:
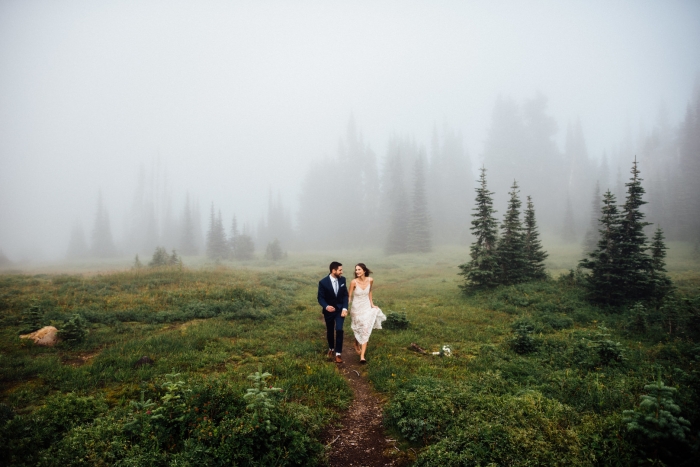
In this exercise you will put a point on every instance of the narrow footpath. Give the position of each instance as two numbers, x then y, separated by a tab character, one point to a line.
359	439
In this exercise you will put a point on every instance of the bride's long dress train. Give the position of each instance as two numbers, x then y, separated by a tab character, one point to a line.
364	317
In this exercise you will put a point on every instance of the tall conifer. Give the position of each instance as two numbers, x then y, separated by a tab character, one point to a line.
660	281
102	242
534	254
590	241
419	235
482	270
634	261
188	243
568	232
510	250
605	282
397	238
217	248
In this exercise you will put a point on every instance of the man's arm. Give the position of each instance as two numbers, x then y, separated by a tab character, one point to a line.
321	299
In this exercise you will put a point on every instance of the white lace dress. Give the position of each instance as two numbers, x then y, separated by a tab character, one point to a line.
364	317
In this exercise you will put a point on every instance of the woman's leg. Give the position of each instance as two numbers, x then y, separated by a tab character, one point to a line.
357	346
363	350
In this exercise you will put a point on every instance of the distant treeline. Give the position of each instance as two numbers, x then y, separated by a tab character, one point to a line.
417	196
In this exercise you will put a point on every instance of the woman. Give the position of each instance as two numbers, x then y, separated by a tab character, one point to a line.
365	316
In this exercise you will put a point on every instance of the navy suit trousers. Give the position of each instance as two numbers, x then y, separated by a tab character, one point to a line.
334	330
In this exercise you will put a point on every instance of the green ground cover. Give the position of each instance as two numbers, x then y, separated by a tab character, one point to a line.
537	376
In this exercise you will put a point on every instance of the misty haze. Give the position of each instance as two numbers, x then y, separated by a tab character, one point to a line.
522	180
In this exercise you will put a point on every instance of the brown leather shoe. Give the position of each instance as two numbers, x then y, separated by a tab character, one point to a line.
329	354
338	359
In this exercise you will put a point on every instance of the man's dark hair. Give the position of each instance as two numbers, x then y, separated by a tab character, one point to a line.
334	265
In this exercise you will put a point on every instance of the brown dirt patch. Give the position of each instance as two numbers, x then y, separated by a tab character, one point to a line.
79	359
359	439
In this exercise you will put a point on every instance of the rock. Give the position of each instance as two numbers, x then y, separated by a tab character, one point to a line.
46	336
145	360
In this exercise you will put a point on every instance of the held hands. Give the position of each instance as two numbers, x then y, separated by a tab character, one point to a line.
344	313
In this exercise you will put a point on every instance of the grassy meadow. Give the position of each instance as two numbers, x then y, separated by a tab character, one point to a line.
554	397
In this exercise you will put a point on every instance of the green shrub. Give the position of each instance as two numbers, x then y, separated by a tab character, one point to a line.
638	318
32	318
523	342
23	437
74	331
607	350
396	320
528	429
425	410
656	423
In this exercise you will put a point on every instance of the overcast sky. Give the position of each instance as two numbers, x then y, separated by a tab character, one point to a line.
235	98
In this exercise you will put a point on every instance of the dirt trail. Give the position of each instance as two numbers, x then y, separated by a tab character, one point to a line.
359	440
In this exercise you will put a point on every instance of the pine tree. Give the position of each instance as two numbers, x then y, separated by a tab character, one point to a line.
233	236
245	248
657	420
102	243
590	241
569	229
32	318
482	270
74	330
633	260
274	251
77	247
419	234
217	248
397	238
534	254
188	241
510	250
605	282
4	260
660	281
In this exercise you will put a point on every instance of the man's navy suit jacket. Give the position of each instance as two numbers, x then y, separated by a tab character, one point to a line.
326	295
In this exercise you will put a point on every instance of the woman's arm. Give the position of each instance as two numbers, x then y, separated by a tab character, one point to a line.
352	287
371	285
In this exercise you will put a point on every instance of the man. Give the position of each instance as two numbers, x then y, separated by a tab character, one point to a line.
333	298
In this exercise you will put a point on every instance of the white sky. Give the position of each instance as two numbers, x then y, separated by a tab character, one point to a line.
235	98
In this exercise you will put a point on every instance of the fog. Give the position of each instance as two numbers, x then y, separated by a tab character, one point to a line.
264	107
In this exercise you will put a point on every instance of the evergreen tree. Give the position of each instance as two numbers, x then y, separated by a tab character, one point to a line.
245	247
4	260
482	270
605	282
188	240
32	318
160	258
661	283
568	233
102	243
633	260
233	236
217	247
590	241
77	246
510	250
397	238
74	330
419	234
274	251
657	421
534	254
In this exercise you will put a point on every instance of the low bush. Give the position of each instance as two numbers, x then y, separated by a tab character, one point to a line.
396	320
